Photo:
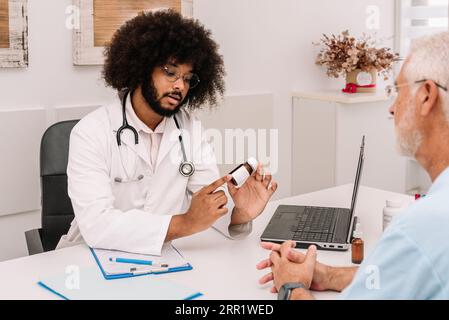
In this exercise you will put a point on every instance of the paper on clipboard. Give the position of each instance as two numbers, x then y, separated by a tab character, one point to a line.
169	255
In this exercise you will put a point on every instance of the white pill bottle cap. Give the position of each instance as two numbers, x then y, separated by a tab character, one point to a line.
253	163
358	232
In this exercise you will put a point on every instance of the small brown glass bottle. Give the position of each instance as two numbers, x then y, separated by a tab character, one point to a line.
357	245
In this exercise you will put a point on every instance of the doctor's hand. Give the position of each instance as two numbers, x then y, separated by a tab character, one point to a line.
252	197
207	206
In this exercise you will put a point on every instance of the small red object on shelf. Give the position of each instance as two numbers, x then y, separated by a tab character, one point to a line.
352	87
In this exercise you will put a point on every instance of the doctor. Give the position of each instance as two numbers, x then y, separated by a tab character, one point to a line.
136	176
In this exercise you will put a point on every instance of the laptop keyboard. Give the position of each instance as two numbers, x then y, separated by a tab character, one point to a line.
316	224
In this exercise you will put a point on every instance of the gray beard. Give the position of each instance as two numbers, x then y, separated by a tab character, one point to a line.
408	146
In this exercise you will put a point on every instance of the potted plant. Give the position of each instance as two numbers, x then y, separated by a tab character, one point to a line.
358	60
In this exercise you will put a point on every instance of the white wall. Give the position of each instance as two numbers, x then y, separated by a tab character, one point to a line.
48	83
50	80
266	46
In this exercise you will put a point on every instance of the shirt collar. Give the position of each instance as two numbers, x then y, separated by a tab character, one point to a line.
139	124
441	182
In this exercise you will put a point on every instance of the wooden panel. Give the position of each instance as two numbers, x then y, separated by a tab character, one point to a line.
4	24
15	55
109	15
85	52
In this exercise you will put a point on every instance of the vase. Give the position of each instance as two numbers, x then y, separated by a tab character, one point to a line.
361	81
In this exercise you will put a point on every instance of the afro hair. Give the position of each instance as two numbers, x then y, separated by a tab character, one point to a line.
151	40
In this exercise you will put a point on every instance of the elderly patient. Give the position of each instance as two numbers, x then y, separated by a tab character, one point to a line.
411	260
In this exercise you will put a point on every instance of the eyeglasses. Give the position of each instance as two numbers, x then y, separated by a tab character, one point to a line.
172	74
392	90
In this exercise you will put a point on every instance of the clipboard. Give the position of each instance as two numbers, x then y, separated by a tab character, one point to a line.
187	266
95	287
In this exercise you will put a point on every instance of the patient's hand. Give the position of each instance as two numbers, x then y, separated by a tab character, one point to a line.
320	280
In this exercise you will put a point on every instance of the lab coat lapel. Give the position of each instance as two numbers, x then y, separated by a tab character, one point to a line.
115	119
169	139
139	149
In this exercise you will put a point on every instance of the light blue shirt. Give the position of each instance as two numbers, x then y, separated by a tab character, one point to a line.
411	260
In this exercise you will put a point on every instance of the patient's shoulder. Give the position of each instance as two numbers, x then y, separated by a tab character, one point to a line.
426	221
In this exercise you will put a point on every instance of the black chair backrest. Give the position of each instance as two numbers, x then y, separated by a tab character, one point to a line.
57	210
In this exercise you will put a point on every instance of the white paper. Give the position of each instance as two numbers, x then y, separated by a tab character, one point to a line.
92	286
169	256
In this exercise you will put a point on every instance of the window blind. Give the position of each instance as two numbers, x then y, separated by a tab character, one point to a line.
421	17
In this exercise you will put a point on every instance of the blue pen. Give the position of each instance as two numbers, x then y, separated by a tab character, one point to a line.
136	261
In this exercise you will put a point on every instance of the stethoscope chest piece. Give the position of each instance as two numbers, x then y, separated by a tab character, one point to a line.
186	168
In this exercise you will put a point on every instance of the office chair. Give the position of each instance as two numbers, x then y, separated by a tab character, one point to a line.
57	210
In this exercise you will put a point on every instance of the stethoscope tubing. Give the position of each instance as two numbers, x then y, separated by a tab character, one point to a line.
186	168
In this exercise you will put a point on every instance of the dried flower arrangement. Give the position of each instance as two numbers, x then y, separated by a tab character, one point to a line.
344	53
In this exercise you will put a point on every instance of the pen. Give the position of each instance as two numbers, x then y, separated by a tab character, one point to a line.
137	271
136	261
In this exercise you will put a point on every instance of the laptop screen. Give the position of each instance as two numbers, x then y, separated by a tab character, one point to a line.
356	187
357	175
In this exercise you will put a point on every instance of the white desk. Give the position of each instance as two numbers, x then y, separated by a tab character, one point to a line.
222	268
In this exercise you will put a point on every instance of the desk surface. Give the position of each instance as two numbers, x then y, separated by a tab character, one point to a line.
222	268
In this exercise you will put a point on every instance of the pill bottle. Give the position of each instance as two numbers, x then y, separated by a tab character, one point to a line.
391	209
357	245
243	172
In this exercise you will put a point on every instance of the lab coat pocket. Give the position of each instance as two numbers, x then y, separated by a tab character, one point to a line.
129	194
129	186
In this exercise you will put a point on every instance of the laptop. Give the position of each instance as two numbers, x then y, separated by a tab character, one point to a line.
327	228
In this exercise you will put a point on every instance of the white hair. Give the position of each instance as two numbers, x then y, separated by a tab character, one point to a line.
429	59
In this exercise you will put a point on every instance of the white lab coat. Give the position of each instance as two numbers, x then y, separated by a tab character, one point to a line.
134	215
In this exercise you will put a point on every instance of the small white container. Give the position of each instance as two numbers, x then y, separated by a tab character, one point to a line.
391	210
243	172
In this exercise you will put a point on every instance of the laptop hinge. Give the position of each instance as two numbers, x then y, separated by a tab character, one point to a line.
351	228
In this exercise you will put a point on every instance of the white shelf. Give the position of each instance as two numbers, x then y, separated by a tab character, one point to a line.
341	97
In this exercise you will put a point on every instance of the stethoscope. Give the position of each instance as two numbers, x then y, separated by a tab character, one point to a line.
186	168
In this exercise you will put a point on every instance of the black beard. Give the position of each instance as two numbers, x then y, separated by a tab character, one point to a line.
150	96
